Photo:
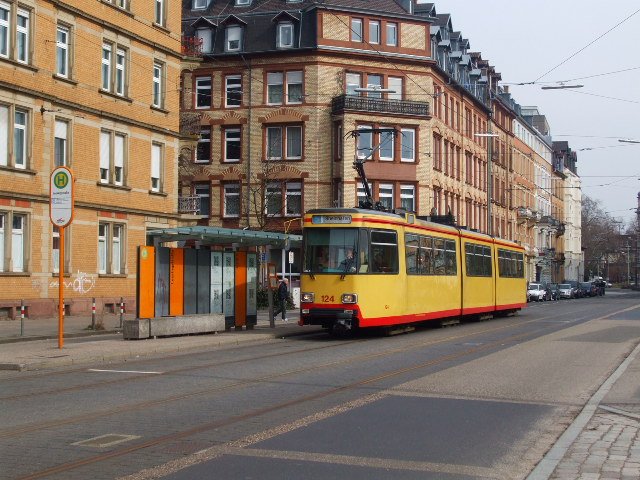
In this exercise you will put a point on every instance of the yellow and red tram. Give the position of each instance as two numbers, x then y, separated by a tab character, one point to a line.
366	268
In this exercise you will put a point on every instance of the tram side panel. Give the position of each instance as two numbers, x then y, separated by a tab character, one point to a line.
478	286
431	276
511	285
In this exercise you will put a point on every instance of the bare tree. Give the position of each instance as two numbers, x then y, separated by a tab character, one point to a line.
600	235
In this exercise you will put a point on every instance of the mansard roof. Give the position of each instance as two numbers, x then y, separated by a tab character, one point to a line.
222	7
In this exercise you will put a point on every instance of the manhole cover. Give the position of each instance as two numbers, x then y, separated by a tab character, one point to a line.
106	440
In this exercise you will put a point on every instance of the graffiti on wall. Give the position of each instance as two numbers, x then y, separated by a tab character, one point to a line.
83	283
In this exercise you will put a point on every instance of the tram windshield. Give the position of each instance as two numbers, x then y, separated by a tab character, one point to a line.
350	251
335	250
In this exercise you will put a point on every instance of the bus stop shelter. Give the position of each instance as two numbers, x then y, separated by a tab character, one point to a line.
207	283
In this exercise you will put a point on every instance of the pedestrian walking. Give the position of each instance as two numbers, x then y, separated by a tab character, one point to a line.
282	296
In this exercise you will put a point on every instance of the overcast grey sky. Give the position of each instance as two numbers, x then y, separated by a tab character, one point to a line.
524	39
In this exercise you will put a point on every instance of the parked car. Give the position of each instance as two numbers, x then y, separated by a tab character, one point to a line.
565	290
588	289
575	286
600	286
536	291
552	291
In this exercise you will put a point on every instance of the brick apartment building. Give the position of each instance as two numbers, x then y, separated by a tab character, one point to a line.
280	97
92	85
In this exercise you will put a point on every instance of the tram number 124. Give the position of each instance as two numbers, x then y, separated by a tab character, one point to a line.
327	299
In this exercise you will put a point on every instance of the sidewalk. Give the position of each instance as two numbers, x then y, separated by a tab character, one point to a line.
603	442
32	344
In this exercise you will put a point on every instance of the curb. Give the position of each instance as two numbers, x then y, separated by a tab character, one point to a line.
159	346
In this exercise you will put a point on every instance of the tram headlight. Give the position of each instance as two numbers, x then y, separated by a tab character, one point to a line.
349	298
307	297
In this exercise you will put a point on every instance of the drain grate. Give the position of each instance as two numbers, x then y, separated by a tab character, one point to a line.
106	440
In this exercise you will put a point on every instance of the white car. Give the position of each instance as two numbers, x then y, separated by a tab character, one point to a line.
536	291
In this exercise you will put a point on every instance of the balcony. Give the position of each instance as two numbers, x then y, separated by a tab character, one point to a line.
190	205
356	103
524	213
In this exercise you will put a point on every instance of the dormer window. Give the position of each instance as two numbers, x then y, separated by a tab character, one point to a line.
204	36
242	3
233	41
199	4
285	35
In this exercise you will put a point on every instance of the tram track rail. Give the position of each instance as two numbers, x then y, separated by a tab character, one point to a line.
11	432
326	392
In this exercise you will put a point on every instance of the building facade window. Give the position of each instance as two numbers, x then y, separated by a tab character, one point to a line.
289	137
203	190
61	143
158	85
395	84
112	157
63	48
157	163
14	251
22	36
198	4
232	144
408	153
387	145
203	92
356	29
114	71
159	12
364	142
392	34
374	31
204	36
385	195
353	81
55	249
408	198
203	150
374	82
231	197
285	35
13	235
15	32
233	42
5	29
111	248
233	91
279	90
283	199
14	137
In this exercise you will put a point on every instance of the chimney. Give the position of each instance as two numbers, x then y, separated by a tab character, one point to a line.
505	88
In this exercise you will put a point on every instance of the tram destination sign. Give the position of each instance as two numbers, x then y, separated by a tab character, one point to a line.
61	197
317	219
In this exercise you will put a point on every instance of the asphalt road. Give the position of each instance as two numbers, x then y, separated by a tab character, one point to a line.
480	400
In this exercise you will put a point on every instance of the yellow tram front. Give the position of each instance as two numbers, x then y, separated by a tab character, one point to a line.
351	269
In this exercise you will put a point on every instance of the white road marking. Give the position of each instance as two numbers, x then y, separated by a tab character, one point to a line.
125	371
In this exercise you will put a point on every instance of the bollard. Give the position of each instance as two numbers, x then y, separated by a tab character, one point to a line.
21	318
121	311
93	313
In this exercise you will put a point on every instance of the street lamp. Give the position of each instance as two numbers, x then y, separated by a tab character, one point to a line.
628	141
489	174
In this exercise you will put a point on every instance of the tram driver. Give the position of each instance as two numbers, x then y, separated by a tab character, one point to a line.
348	264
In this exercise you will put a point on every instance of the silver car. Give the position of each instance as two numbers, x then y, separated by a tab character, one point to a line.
565	290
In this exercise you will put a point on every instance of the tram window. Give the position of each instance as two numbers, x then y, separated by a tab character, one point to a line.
332	250
478	260
384	251
364	252
439	256
412	247
426	256
510	264
450	258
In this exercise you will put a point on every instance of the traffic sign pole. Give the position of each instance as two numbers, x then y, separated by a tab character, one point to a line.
61	215
61	291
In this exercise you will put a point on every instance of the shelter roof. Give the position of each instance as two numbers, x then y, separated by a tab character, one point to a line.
207	235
